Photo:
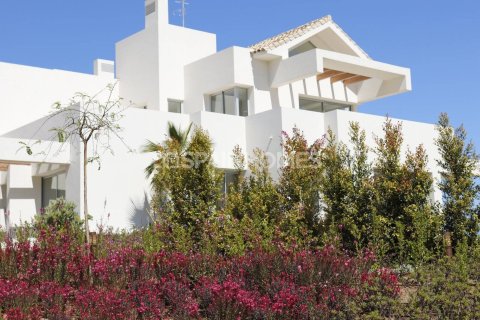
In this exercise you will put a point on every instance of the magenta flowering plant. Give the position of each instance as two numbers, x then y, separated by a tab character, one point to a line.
48	279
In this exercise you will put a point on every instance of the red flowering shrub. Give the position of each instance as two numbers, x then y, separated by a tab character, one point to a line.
49	279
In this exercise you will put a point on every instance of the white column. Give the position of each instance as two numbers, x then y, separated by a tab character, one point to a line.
156	12
23	193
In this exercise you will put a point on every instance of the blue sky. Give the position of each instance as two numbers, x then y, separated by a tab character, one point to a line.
438	40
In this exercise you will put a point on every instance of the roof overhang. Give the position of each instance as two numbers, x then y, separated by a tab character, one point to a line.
325	28
371	79
43	152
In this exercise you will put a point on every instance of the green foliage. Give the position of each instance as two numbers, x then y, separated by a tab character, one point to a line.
448	289
224	234
403	198
458	182
186	184
60	216
337	191
327	192
364	228
388	183
178	143
255	200
167	235
299	182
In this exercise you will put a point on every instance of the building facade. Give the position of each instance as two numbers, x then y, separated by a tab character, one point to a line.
314	77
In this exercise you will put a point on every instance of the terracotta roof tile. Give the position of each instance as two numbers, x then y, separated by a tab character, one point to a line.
290	35
281	39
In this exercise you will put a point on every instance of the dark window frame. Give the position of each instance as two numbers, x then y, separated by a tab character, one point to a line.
236	96
43	195
340	106
175	101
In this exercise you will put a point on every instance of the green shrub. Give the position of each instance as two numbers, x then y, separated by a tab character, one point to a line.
60	216
446	290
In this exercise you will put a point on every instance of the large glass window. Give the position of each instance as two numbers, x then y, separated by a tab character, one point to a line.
242	102
228	179
233	101
229	102
175	106
53	188
216	103
321	106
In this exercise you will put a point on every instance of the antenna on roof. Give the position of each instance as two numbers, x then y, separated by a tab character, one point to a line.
183	10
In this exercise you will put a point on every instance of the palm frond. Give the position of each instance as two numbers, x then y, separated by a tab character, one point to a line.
174	132
150	169
179	135
187	133
150	147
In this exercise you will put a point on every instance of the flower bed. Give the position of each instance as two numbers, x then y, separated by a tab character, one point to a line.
49	279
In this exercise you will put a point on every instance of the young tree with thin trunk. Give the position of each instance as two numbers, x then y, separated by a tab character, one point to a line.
91	121
458	164
403	198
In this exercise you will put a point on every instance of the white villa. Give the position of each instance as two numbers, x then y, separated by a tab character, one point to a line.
314	77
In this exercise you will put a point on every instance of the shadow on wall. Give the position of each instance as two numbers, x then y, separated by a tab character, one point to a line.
24	204
139	216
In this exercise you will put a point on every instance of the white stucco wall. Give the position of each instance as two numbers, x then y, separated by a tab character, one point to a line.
233	67
263	131
28	93
23	194
120	188
138	77
178	48
261	93
226	131
158	75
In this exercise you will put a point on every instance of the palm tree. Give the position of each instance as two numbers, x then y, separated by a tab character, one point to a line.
176	135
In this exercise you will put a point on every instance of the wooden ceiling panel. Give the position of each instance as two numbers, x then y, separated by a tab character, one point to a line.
342	76
337	76
355	80
327	73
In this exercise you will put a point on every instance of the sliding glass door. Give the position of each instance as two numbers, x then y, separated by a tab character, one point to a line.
53	188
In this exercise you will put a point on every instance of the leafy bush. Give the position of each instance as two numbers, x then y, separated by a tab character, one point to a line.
447	289
60	215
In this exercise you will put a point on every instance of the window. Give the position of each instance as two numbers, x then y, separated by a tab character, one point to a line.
242	95
175	106
229	177
321	106
53	188
307	46
233	101
3	197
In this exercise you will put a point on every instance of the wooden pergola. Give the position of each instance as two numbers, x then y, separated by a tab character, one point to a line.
337	76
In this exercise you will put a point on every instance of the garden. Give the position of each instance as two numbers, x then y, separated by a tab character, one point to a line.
337	236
